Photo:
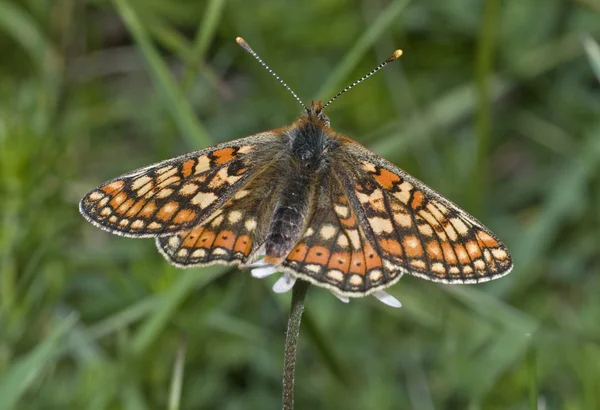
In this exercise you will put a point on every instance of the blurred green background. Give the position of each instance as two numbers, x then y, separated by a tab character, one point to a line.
496	104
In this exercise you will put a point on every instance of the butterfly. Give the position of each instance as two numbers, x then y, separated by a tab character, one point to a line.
309	201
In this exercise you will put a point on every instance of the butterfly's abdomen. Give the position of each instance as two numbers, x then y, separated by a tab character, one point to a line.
288	219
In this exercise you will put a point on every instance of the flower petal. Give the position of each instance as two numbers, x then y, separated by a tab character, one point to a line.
263	272
387	299
258	263
342	298
285	283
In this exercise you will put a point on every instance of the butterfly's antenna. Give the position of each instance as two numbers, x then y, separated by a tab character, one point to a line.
391	58
247	47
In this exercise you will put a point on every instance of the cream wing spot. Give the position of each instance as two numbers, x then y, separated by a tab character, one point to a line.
188	189
163	176
450	232
381	225
164	193
140	182
435	212
244	149
162	170
327	232
354	238
368	166
202	165
375	275
460	226
154	225
114	186
442	208
242	193
403	219
403	195
204	199
95	196
103	201
234	217
199	253
356	280
168	181
137	224
217	221
438	268
425	230
342	241
335	275
250	224
499	254
342	211
145	189
311	267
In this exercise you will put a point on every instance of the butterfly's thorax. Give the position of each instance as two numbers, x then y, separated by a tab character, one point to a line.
305	163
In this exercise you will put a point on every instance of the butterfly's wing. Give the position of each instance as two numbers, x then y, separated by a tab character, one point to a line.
177	194
415	227
232	234
373	222
335	252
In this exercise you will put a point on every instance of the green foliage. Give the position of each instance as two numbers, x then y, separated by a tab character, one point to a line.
495	104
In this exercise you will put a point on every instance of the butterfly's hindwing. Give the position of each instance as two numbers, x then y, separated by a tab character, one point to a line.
231	234
334	251
173	195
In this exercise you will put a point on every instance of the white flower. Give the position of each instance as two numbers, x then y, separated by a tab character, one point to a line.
261	269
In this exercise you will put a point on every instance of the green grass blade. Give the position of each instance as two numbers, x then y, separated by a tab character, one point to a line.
204	35
177	379
174	100
484	70
592	49
25	371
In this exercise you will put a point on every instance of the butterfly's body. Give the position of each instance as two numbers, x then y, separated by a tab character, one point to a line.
314	203
304	163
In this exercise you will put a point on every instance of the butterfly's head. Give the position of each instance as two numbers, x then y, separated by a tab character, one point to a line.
316	114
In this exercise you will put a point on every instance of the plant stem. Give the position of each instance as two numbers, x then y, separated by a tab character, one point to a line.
291	342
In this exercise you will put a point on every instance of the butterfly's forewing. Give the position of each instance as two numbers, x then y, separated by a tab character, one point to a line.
416	228
173	195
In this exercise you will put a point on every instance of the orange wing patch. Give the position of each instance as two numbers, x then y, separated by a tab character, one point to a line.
225	237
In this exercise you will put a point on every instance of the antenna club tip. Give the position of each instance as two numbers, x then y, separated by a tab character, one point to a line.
396	55
243	44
